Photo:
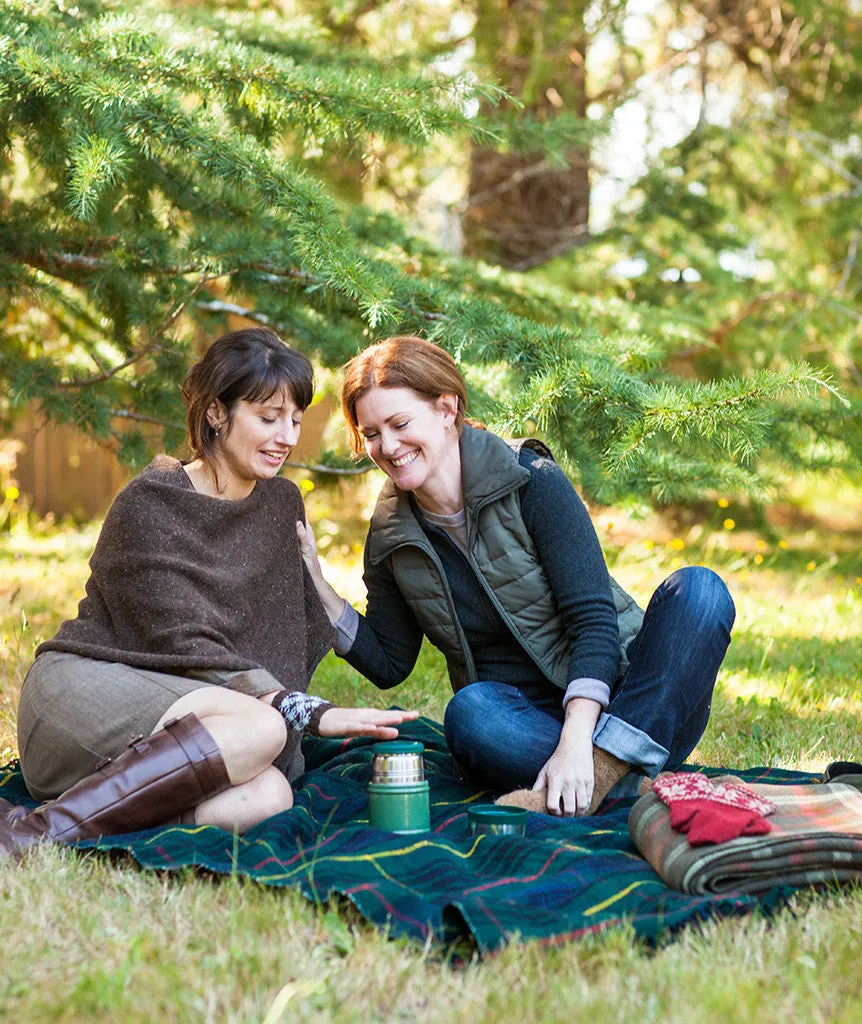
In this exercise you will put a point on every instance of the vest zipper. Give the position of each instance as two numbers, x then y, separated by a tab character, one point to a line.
504	615
428	550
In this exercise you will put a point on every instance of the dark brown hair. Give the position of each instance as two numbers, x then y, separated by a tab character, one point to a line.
404	361
251	364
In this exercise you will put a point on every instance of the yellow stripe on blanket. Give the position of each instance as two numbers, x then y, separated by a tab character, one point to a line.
613	899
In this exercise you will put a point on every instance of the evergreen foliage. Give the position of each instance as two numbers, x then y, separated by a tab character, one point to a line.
159	170
746	233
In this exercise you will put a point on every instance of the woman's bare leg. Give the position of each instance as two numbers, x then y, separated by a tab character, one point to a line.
250	735
243	806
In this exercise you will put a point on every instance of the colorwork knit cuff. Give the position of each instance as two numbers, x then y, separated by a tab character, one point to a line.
301	711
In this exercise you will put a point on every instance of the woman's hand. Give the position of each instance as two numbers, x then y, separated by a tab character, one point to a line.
308	549
568	774
380	725
332	602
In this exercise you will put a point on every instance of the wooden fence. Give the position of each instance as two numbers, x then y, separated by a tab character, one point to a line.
62	472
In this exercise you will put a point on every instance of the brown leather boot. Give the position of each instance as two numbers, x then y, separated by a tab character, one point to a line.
11	811
152	782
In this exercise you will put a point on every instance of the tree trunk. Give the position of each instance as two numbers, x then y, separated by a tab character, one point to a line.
519	212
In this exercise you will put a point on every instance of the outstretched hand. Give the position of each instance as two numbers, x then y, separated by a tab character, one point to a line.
380	725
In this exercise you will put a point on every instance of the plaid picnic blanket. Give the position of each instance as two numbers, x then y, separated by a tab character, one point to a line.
564	879
816	838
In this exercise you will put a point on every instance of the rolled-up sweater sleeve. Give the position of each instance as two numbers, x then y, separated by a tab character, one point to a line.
387	637
574	565
594	689
345	629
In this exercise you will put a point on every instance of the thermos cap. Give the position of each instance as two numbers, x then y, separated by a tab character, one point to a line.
398	747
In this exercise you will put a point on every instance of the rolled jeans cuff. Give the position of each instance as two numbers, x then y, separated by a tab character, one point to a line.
629	744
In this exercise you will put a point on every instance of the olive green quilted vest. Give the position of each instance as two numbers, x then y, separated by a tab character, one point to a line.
503	555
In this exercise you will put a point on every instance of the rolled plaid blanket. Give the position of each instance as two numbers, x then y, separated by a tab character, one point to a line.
816	838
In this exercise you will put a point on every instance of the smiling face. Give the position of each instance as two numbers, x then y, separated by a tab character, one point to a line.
412	439
253	441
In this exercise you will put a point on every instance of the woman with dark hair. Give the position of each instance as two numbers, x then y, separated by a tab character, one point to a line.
178	691
562	684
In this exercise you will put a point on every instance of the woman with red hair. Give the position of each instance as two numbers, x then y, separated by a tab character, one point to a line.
562	684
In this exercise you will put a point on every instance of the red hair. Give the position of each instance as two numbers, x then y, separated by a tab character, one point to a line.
404	361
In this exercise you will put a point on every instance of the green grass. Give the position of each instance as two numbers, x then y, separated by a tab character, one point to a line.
95	938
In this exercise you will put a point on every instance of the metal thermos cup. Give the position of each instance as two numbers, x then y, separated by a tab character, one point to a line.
495	820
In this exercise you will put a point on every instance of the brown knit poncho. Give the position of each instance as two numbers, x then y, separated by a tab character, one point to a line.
182	581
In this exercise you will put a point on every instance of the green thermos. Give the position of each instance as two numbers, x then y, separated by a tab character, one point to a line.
398	798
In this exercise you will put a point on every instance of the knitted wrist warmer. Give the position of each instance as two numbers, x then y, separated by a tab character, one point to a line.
301	711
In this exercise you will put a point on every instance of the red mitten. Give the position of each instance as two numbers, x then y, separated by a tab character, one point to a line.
709	813
716	823
682	812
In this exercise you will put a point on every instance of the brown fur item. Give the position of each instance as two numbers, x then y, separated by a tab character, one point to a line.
536	800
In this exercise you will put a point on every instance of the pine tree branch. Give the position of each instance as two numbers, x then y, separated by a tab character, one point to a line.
576	236
805	140
144	350
295	273
50	262
522	174
426	314
334	470
720	333
849	263
289	92
704	81
127	414
613	91
349	23
846	310
219	306
80	263
832	197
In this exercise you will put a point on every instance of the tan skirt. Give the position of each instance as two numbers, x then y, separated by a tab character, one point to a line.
75	712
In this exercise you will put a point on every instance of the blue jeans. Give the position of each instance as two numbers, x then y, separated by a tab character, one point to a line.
502	735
